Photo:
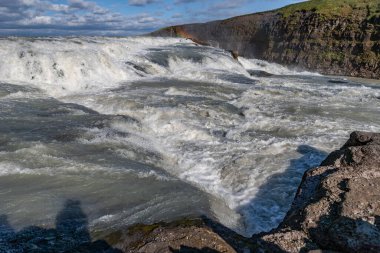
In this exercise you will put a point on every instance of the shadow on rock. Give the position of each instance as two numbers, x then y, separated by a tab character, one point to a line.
70	235
345	234
185	249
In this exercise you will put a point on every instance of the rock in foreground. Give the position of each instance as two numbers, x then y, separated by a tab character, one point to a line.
187	235
336	208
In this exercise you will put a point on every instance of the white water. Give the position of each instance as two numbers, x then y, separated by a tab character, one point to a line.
197	114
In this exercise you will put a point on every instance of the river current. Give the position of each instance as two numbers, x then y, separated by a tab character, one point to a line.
148	129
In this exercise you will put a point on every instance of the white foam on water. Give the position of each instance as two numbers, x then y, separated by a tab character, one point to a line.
40	159
63	66
280	116
172	91
10	168
7	168
246	141
272	68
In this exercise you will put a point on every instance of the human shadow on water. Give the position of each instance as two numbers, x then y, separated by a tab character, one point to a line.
71	232
70	235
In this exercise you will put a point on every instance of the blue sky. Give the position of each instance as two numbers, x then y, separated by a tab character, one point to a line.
117	17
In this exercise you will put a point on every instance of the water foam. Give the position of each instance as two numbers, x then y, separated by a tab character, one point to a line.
272	68
63	66
200	115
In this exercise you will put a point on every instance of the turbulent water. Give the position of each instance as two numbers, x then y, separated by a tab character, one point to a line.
149	129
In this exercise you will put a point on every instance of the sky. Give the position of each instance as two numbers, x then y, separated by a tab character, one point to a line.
117	17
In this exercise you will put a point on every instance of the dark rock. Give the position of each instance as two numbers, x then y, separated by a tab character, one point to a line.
259	73
337	81
137	67
219	133
187	235
362	138
234	54
337	206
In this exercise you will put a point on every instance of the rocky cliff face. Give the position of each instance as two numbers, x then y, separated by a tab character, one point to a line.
338	39
336	208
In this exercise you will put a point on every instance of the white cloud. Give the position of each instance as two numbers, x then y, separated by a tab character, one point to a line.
71	17
38	20
185	1
228	4
140	2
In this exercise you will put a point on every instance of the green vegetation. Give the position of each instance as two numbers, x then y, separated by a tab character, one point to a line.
334	56
330	8
143	228
367	58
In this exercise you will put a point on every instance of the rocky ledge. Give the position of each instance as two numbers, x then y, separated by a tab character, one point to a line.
336	209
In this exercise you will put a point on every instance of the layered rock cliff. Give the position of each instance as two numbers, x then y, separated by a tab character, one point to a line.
340	37
336	208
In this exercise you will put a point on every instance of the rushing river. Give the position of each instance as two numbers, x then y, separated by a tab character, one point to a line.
150	129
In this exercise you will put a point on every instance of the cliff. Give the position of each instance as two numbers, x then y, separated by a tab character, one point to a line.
340	37
336	209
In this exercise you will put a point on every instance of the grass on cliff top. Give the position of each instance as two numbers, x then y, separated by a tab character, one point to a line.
331	8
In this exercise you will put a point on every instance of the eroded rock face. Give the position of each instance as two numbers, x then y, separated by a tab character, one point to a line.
347	43
337	206
187	235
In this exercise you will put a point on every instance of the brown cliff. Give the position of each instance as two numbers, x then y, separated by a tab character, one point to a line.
339	37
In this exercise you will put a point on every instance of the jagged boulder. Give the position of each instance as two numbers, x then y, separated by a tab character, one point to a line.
337	206
186	235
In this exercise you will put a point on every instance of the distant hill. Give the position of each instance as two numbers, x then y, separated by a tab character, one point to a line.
339	37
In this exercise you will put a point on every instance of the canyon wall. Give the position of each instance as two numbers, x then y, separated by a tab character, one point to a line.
339	37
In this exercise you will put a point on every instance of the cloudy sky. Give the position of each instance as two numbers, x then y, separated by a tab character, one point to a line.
117	17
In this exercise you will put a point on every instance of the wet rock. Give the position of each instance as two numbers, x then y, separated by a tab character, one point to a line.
137	67
337	206
337	81
234	54
187	235
259	73
219	133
